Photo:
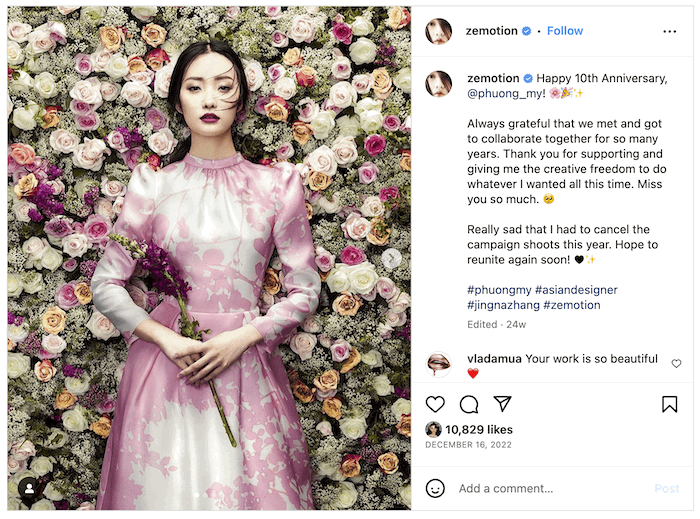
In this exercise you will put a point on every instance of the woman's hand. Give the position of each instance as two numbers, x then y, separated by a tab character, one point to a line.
169	341
217	353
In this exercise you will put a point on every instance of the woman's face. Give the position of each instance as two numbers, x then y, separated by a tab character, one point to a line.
437	36
437	87
433	428
209	95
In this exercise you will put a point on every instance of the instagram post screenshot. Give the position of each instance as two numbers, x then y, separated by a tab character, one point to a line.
247	245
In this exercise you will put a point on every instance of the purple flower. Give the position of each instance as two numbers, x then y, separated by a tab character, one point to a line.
131	157
87	269
157	263
156	118
31	345
72	371
260	105
375	144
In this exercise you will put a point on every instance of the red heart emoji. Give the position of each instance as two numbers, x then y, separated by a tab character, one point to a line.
473	372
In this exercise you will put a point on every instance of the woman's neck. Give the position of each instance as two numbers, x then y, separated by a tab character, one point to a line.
212	148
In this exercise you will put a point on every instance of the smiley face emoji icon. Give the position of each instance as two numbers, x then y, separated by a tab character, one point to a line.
548	198
435	488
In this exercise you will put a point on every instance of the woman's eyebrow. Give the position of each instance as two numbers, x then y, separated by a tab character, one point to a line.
202	79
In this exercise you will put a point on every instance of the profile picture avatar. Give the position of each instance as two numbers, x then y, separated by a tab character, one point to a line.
438	83
438	31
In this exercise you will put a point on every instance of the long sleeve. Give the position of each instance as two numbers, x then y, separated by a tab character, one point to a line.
292	238
116	266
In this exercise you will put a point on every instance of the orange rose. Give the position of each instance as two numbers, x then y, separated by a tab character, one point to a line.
306	76
136	64
22	153
383	85
292	57
50	118
65	400
44	370
319	181
112	38
27	186
350	466
405	161
379	233
303	392
102	426
54	320
301	132
276	109
352	361
347	304
153	34
83	293
399	17
404	425
329	380
271	283
388	462
331	407
309	210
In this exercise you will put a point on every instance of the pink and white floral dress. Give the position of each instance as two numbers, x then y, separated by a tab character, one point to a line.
167	449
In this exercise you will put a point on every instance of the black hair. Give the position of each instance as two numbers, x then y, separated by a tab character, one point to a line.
183	61
444	25
446	80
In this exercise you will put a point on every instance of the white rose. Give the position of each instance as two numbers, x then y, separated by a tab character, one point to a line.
254	75
52	259
362	277
32	65
51	493
172	49
32	282
371	121
285	88
405	495
326	468
92	14
90	154
39	41
101	327
347	496
348	126
395	319
136	94
303	344
401	407
17	364
343	94
78	386
322	124
23	83
13	482
144	13
118	67
368	104
75	245
323	161
35	247
87	91
100	59
110	91
54	344
58	438
338	281
103	207
400	303
356	227
402	80
373	359
18	332
325	428
17	31
14	285
162	82
86	505
74	420
112	188
353	428
362	27
363	83
162	142
344	150
15	55
308	109
303	29
118	204
15	503
63	141
382	385
372	206
67	9
10	106
363	51
341	68
23	119
41	465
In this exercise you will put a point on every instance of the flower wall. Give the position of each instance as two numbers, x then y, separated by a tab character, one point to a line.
330	92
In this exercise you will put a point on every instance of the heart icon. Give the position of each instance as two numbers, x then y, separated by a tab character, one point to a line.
435	403
579	259
676	362
473	372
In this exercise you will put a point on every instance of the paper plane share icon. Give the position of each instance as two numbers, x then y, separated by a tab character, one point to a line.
503	401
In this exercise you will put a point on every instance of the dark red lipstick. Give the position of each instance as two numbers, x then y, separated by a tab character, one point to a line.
209	118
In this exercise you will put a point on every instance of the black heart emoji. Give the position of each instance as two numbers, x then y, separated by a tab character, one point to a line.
579	259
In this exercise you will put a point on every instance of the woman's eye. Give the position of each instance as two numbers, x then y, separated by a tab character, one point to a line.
193	88
227	88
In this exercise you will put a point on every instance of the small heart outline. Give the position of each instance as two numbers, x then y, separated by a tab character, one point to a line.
676	362
432	401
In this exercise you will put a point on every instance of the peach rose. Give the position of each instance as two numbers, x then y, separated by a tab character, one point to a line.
50	118
65	400
379	233
112	38
331	407
352	361
301	132
382	83
399	17
319	181
347	304
153	34
306	76
405	162
27	186
276	109
404	425
54	320
10	344
303	392
136	64
388	462
22	153
329	380
44	370
271	283
102	426
292	57
83	293
350	466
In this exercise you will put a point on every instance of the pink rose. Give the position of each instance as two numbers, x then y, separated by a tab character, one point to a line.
97	228
325	261
15	465
110	91
406	126
303	344
83	64
65	296
86	505
144	77
342	32
285	151
162	142
87	91
138	296
117	206
340	350
107	405
22	449
100	58
70	265
17	31
303	29
44	370
279	39
75	244
88	122
341	68
101	327
356	227
322	395
391	123
389	193
132	156
161	85
157	119
23	154
232	12
368	172
116	141
152	298
375	144
112	188
400	303
395	319
275	72
352	255
371	295
363	83
40	41
273	12
386	288
308	109
311	325
325	341
136	94
54	344
79	108
384	330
